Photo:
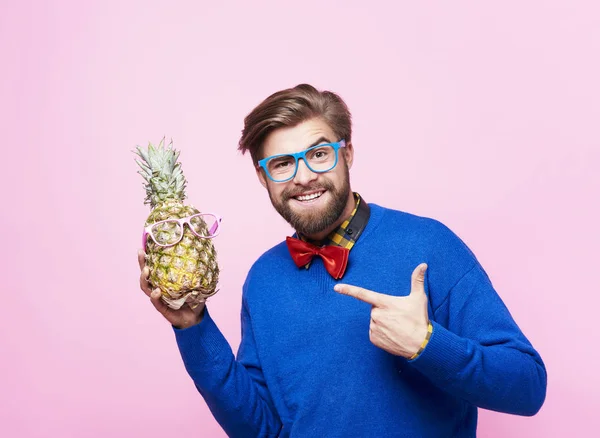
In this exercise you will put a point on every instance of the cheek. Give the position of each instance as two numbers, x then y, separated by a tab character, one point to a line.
336	178
276	190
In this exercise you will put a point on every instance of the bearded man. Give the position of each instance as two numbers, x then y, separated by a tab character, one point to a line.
368	321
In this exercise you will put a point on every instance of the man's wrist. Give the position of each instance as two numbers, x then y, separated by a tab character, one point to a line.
188	324
425	341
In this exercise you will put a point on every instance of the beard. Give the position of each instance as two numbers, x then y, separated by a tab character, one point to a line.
310	223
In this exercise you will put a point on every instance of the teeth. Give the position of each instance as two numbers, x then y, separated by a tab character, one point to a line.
309	197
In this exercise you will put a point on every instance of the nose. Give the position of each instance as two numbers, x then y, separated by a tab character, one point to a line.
303	174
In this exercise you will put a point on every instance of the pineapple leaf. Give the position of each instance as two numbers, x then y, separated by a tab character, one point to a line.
162	172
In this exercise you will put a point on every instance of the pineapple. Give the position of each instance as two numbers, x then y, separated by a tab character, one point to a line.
186	272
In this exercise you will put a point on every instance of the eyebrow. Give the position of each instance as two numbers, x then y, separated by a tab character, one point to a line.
319	141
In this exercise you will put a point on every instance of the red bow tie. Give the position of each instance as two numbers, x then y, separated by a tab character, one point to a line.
335	258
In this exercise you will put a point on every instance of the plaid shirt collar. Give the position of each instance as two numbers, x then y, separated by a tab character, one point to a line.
349	231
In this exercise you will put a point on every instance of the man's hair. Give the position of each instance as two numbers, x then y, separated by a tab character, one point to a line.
290	107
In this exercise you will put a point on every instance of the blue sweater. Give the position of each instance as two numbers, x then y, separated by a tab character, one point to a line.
306	368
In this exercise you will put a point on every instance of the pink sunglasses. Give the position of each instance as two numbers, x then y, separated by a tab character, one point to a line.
170	232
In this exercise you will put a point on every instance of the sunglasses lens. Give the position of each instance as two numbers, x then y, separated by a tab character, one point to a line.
205	225
166	233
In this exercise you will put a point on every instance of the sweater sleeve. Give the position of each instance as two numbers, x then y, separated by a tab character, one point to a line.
234	390
478	353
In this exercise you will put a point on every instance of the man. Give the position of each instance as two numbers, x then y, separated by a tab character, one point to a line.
370	322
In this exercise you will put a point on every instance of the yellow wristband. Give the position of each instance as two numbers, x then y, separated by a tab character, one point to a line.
429	331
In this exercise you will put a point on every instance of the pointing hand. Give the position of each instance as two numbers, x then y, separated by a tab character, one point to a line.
398	324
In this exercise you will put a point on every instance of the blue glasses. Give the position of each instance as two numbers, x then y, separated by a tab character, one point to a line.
319	159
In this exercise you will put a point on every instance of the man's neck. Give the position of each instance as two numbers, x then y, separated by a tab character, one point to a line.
350	204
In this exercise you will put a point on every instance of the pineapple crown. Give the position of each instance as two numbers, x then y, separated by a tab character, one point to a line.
162	173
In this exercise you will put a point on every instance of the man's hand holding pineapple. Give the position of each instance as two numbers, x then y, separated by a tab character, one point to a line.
183	317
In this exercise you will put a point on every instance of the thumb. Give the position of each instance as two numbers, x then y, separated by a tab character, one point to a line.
417	284
160	305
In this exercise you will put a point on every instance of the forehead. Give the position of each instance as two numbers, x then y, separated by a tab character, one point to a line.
297	138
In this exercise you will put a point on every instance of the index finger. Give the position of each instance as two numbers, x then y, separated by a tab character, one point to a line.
145	282
141	258
368	296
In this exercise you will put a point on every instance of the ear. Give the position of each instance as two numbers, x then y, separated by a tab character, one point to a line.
349	154
261	176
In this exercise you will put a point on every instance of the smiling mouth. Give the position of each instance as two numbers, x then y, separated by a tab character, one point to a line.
309	197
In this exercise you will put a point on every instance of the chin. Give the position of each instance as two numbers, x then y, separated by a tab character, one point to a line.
313	219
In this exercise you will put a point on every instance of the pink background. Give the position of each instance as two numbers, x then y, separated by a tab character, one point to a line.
484	116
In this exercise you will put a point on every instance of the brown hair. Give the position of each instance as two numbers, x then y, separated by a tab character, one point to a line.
290	107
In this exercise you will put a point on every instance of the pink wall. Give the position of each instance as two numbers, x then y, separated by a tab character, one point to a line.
482	116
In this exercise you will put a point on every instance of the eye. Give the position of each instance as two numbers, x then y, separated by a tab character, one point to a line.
281	164
321	153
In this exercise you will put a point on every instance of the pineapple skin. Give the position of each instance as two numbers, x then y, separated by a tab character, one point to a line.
187	272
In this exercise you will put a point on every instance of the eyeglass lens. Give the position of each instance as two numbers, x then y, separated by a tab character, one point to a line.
204	225
166	233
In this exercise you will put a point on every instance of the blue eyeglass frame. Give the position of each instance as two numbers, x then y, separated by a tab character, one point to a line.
302	155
